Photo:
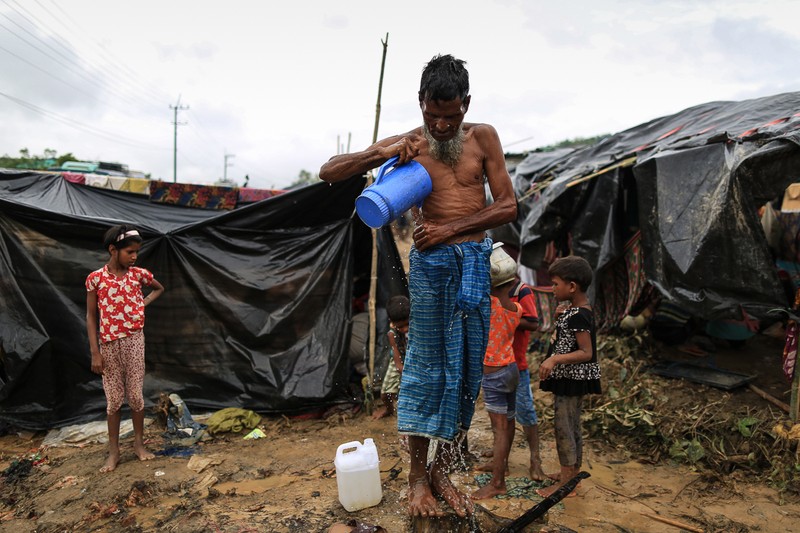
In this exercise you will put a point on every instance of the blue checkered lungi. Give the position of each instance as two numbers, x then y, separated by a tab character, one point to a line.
450	314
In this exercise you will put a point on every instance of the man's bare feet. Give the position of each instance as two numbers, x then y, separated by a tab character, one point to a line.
488	453
381	412
441	485
142	453
488	491
421	501
111	462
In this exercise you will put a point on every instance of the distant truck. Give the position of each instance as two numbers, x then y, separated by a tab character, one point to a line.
101	167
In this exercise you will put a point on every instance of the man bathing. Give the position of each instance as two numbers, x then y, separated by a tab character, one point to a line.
449	272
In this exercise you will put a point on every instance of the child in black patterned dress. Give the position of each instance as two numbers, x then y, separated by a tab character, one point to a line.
570	369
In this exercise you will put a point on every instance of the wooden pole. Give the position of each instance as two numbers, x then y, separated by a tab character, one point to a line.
794	409
380	91
373	280
675	523
771	399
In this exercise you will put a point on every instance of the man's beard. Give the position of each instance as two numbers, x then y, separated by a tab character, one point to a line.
447	152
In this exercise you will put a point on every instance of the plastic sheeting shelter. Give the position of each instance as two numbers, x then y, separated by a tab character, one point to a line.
255	314
691	182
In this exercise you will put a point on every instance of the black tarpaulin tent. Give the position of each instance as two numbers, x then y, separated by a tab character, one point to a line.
691	182
255	315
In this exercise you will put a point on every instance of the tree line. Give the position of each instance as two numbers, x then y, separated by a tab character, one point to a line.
48	159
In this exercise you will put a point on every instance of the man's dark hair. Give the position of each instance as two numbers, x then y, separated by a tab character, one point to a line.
398	308
112	237
572	268
444	78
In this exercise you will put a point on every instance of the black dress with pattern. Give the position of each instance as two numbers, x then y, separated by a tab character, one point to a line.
574	379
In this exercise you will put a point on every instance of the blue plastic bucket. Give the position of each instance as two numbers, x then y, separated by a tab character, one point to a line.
396	189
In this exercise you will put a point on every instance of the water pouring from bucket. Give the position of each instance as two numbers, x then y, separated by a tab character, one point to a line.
396	189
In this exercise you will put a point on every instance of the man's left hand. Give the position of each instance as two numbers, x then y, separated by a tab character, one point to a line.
427	234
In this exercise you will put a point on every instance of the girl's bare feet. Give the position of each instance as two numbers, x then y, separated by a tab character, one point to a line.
142	453
111	462
548	491
567	473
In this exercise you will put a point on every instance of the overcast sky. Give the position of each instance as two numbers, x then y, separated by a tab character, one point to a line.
275	84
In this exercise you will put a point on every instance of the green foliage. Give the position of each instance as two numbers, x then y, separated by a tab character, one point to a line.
48	159
577	142
689	451
657	417
304	177
746	425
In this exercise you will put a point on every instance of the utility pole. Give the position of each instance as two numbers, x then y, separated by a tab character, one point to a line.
225	171
175	108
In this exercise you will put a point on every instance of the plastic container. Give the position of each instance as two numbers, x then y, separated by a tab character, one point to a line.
396	189
358	475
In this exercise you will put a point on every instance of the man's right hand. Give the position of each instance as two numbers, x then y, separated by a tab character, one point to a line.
406	149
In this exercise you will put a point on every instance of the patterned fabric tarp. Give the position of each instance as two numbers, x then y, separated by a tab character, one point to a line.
187	195
545	306
250	195
621	286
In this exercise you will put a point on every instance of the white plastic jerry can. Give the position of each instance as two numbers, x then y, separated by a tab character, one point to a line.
358	475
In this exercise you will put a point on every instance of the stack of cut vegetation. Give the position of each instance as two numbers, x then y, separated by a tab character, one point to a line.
657	419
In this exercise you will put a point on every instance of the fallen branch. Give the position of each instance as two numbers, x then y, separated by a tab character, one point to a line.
675	523
636	390
612	491
771	399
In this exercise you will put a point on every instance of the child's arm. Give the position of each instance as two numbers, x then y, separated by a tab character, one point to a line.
530	317
581	355
398	361
158	290
91	330
560	308
528	323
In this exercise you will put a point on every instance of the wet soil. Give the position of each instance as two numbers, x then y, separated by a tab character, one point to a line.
286	483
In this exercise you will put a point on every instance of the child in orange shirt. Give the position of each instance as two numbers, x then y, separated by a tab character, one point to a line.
500	372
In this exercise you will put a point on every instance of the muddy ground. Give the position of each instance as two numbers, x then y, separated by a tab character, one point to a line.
285	482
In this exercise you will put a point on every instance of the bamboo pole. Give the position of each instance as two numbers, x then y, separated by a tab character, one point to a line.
624	163
771	399
794	409
373	280
674	523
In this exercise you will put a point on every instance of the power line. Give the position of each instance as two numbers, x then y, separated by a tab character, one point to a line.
78	125
73	67
68	84
133	79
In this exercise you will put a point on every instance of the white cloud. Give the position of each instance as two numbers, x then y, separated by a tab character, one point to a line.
277	83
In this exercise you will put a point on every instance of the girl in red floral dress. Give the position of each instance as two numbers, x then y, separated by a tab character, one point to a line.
115	321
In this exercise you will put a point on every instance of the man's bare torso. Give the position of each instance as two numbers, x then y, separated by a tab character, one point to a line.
457	192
